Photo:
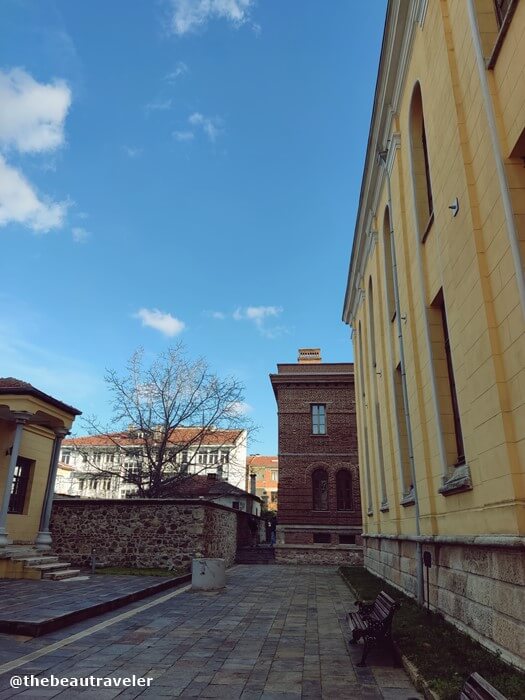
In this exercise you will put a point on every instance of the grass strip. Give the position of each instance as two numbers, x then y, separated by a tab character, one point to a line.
443	655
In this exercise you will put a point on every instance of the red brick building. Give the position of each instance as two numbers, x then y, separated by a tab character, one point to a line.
319	503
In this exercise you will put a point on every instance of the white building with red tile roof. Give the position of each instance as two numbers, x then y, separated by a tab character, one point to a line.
101	462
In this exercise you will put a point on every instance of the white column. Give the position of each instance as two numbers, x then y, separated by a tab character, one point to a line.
43	538
21	419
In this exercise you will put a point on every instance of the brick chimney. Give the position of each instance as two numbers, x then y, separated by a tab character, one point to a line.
310	356
253	486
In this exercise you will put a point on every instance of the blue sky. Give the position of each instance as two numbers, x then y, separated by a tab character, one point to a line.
179	170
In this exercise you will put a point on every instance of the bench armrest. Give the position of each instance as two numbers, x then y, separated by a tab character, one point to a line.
364	607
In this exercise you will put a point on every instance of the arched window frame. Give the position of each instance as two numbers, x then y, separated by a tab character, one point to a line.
320	490
389	267
344	490
420	163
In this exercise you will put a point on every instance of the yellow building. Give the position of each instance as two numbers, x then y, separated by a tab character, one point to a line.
32	426
436	302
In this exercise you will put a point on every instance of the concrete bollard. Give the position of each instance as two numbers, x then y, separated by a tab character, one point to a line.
208	574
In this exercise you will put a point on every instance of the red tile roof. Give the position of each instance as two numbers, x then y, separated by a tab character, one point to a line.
262	461
179	436
10	385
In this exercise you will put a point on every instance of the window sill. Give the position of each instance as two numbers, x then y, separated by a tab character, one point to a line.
408	499
370	512
427	227
384	507
456	482
501	35
319	435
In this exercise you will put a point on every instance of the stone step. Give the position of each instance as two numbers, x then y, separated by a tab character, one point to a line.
34	561
60	575
51	566
254	558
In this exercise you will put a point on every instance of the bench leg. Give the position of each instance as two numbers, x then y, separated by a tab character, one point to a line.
390	641
355	636
366	648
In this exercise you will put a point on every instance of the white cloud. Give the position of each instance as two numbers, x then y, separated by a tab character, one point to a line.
190	15
132	152
160	321
32	120
158	105
209	125
256	313
218	315
33	114
180	69
240	408
19	203
259	315
80	235
183	135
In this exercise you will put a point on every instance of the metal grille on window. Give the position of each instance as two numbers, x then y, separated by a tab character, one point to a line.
20	485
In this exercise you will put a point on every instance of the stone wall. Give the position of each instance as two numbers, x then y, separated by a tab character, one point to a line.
481	589
166	533
319	555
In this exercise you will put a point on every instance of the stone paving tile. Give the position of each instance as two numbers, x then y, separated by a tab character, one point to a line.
274	633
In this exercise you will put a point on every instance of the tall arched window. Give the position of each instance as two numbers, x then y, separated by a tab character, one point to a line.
375	395
320	489
420	165
389	266
371	326
343	487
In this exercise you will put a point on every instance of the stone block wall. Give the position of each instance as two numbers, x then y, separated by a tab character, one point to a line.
165	533
481	589
319	555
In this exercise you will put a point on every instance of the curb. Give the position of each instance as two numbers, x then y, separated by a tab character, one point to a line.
416	677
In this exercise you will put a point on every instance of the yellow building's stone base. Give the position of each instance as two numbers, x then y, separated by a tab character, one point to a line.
478	587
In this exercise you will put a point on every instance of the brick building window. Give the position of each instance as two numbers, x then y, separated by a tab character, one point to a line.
346	539
320	489
321	538
343	486
318	411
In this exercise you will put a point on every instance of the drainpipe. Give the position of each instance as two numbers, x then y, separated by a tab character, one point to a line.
500	168
419	554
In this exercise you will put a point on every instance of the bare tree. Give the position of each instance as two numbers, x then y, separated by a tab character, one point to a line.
162	414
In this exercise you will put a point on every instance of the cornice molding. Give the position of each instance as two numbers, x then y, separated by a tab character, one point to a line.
422	12
400	28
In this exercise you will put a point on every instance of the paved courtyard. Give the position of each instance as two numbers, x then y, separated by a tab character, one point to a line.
275	632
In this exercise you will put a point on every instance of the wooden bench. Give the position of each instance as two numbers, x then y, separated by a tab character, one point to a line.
373	623
477	688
